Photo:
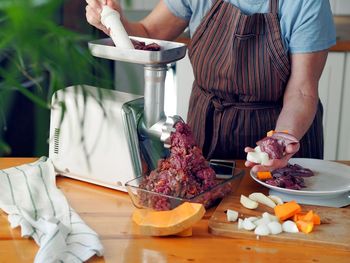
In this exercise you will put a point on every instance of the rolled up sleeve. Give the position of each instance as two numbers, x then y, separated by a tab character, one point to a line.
180	8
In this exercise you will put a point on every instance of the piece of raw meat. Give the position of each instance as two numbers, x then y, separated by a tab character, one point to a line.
142	45
275	144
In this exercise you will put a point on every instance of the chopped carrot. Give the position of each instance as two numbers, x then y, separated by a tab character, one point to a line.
305	226
270	133
316	219
309	216
298	216
264	175
287	210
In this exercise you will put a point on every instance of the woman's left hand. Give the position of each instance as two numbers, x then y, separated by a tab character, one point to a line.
273	164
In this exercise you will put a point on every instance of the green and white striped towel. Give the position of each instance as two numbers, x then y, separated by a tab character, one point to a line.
28	194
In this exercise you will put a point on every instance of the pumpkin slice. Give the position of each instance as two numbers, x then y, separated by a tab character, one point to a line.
186	233
164	223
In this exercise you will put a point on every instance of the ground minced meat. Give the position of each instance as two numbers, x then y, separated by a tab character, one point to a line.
184	174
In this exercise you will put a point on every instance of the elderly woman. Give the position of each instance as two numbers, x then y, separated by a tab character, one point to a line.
256	64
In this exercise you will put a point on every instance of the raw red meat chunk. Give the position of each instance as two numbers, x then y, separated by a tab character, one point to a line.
290	177
275	144
142	45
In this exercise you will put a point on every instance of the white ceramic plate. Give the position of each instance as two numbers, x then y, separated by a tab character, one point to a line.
330	178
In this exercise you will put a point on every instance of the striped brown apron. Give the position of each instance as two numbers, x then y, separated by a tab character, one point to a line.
241	71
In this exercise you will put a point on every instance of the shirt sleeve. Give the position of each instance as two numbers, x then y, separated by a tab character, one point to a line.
180	8
314	28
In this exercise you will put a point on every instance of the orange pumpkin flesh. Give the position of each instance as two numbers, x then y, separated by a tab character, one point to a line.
164	223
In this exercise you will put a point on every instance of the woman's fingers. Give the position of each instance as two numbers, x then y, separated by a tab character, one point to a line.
274	164
96	5
93	12
249	164
271	164
114	4
93	17
249	149
292	148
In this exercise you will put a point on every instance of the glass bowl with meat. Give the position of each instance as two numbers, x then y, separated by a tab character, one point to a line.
184	176
145	194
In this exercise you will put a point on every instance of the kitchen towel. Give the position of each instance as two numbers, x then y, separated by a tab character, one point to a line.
28	194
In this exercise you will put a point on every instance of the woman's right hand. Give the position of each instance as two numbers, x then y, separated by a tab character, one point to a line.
93	12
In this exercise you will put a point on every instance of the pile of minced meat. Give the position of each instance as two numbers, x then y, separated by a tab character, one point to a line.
184	174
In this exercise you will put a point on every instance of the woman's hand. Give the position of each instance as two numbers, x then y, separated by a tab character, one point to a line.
273	164
93	12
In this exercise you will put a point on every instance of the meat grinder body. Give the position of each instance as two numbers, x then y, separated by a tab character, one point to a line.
96	137
108	137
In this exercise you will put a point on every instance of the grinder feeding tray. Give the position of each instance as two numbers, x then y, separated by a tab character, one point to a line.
170	52
133	133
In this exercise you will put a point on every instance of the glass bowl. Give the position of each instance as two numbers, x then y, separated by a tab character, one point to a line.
143	198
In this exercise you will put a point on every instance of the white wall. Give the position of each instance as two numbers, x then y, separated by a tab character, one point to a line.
340	7
140	4
330	92
344	124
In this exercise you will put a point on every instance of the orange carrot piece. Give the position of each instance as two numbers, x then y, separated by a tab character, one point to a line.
287	210
309	216
295	217
264	175
298	216
316	219
305	226
269	133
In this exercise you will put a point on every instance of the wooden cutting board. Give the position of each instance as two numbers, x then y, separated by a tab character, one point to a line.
334	230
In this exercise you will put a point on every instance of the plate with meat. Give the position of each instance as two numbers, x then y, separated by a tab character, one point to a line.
309	177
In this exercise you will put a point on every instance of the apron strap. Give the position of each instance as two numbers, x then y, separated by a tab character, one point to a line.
274	6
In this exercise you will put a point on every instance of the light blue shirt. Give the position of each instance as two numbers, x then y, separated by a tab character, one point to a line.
306	25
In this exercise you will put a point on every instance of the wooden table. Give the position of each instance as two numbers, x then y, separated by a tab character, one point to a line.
108	212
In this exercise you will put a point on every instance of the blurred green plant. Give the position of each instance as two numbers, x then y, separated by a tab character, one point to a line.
37	52
128	3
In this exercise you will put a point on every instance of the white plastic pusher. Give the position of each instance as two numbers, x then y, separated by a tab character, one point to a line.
110	18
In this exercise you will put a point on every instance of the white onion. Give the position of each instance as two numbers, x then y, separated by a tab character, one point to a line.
276	199
263	199
248	225
262	230
252	218
270	217
262	221
274	227
240	223
248	203
258	157
290	227
231	215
